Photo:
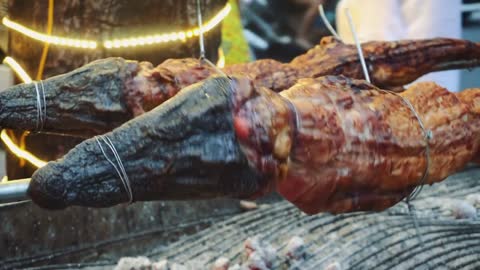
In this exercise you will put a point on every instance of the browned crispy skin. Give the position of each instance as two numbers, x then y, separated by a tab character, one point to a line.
471	98
152	86
390	64
356	147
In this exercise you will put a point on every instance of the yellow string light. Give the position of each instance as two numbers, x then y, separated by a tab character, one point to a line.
119	43
19	71
19	152
168	37
51	39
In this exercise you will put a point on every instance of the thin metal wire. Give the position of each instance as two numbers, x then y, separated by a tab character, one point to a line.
122	168
44	118
200	28
427	133
119	168
203	58
427	136
39	106
357	43
327	23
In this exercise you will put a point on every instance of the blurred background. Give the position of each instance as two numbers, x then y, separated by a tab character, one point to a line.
255	29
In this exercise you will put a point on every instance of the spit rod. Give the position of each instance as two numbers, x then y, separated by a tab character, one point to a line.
14	191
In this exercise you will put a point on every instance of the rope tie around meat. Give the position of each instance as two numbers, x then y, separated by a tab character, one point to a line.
119	168
41	106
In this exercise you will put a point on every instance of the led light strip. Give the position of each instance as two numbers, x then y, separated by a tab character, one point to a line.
15	66
20	152
120	43
56	40
168	37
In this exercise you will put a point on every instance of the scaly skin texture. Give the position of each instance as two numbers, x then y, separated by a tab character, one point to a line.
84	102
104	94
390	64
330	144
170	153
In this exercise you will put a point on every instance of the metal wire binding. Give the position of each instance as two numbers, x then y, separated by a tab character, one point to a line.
41	106
38	105
203	58
120	169
359	48
427	133
355	37
44	119
200	28
327	24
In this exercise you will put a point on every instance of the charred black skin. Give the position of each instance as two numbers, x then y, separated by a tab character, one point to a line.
84	102
184	149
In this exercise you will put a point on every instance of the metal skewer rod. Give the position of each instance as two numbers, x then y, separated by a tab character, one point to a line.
14	191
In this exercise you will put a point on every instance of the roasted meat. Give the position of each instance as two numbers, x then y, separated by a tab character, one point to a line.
102	95
471	98
390	64
327	144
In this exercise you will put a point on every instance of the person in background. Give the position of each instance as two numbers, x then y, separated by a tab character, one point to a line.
404	19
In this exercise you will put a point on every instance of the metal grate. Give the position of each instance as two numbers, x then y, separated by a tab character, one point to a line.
385	240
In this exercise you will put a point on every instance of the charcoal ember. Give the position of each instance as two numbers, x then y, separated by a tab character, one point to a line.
459	209
221	263
161	265
256	261
237	267
296	249
333	266
259	252
248	205
473	199
178	266
134	263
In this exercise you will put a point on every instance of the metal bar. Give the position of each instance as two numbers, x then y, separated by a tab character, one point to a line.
14	191
357	43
